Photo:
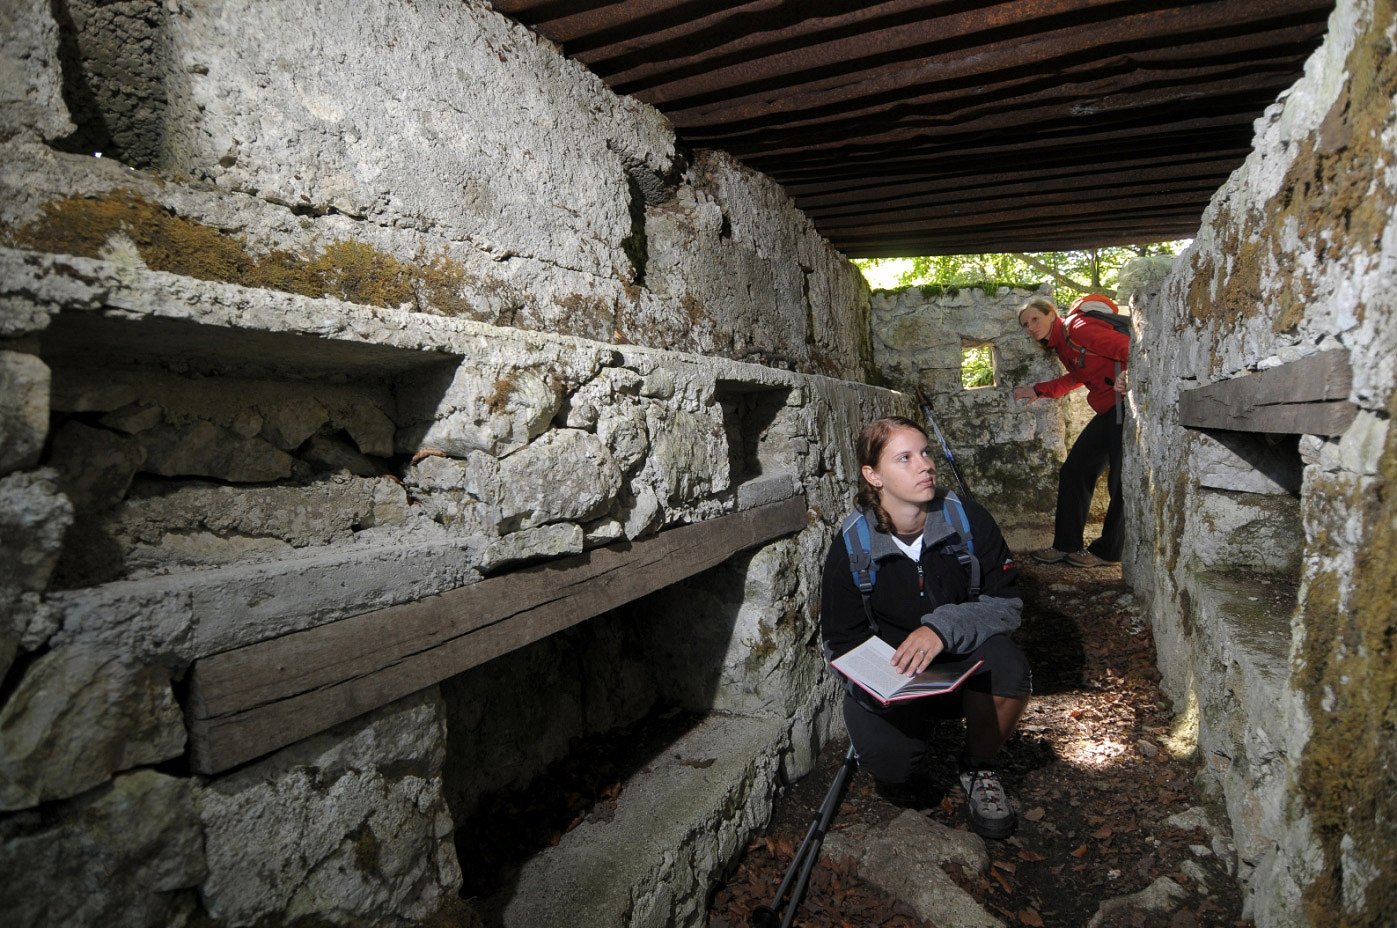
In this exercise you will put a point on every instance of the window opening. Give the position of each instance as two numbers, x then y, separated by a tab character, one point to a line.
977	364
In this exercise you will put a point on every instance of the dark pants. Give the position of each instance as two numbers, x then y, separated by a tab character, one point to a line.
1098	448
892	741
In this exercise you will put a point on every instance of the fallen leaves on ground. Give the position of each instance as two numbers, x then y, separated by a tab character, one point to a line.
1085	769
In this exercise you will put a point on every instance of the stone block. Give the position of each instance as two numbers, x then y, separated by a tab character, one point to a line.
127	854
567	475
77	717
134	418
346	827
905	861
690	454
497	410
33	519
24	410
31	77
534	172
1161	897
288	424
202	449
95	465
173	619
533	544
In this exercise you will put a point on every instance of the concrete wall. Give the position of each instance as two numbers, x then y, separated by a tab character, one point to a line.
363	303
1273	604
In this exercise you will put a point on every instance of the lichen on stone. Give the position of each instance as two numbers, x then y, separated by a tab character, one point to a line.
165	241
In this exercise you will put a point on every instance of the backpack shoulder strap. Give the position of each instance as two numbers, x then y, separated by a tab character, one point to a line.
858	543
957	518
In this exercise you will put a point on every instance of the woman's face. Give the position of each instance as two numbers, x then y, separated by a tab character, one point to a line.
1036	323
906	470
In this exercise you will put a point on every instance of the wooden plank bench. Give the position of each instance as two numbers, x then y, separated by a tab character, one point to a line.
249	701
1304	397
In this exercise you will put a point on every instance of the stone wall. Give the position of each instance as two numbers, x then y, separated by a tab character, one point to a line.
364	303
1272	595
1008	451
439	157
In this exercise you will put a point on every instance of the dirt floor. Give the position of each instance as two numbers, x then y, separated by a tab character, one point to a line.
1091	771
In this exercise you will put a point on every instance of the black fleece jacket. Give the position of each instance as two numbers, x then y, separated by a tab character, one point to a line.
941	602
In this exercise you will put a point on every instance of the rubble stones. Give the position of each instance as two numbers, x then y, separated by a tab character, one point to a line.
24	410
95	465
566	475
116	857
77	717
33	519
350	824
905	860
533	544
205	450
691	455
1163	895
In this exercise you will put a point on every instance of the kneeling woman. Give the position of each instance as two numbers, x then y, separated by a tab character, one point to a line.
921	604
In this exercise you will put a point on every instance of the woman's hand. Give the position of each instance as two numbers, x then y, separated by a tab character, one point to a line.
917	651
1120	386
1025	394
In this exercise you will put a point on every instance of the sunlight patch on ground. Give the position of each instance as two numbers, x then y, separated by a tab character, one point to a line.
1183	734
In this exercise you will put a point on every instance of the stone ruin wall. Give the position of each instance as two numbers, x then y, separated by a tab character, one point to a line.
1273	606
1008	451
312	339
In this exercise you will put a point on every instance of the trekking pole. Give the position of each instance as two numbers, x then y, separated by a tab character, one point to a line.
945	448
783	909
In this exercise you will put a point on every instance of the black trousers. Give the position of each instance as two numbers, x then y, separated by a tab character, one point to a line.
1098	448
892	741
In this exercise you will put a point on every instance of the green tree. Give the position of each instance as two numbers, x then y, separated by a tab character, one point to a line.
1072	273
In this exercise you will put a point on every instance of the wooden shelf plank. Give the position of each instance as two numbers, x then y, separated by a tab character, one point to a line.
252	700
1304	397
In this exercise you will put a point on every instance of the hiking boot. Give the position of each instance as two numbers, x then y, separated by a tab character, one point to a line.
1048	555
991	815
1084	558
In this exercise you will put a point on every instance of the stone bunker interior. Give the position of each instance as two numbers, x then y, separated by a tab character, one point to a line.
395	397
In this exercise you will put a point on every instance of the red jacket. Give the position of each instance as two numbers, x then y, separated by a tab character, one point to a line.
1097	371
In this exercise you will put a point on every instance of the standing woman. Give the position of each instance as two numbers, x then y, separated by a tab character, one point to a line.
922	605
1095	355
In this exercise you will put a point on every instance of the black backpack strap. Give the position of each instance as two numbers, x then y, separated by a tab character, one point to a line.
964	549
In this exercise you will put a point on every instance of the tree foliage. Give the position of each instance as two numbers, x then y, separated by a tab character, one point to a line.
1071	273
977	366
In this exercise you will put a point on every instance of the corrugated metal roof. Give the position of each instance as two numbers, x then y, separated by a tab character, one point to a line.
925	127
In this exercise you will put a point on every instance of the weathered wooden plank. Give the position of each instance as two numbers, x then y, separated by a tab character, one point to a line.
252	700
1304	397
1328	418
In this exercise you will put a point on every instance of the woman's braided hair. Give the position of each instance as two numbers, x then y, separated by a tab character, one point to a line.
871	442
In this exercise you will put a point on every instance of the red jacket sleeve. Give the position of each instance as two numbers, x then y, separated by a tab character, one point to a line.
1058	386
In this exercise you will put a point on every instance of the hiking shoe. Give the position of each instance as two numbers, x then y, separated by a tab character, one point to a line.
1048	555
991	815
1084	558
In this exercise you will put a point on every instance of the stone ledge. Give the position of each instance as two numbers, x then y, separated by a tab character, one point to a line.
1241	643
160	314
677	823
175	618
